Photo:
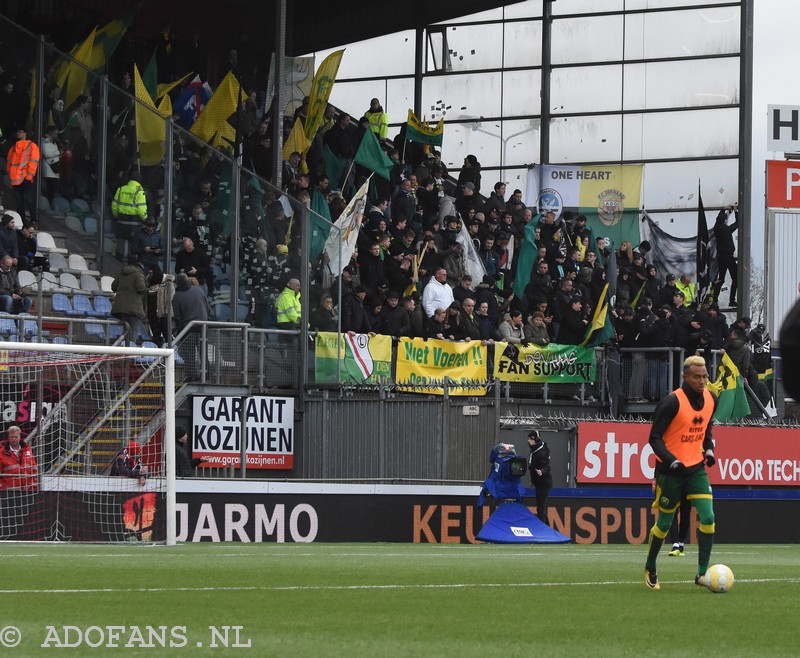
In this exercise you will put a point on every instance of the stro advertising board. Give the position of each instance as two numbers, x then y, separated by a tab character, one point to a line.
267	424
619	453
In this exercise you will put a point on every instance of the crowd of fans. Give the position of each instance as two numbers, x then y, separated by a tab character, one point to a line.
408	275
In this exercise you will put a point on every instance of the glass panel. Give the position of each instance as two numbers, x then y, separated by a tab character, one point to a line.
354	97
595	39
523	44
702	133
447	96
480	139
584	139
674	184
682	33
515	180
529	8
522	92
359	59
495	144
433	47
586	89
399	98
587	6
475	48
660	4
682	84
520	142
489	15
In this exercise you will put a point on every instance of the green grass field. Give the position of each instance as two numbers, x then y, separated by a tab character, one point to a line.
394	600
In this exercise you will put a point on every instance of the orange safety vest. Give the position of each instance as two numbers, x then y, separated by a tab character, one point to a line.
685	434
23	162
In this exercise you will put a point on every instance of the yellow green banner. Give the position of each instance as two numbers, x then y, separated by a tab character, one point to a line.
420	131
321	92
431	362
553	363
357	358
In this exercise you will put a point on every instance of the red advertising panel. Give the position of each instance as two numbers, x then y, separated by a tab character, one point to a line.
783	184
619	453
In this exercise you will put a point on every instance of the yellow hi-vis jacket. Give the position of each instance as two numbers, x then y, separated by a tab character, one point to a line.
129	202
378	123
287	307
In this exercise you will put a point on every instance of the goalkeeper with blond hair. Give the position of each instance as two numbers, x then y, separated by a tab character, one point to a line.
682	443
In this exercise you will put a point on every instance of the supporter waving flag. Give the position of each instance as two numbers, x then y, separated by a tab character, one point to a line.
341	242
192	101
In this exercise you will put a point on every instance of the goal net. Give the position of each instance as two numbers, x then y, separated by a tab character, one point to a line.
93	456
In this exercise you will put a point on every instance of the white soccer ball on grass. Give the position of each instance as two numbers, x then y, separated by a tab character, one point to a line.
719	578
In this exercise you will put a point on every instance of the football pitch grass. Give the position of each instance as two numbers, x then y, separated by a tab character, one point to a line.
392	600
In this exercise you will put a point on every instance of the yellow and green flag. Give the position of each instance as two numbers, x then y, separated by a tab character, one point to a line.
72	76
732	402
321	92
420	131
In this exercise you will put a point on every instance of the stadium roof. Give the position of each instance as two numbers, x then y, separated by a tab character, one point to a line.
320	25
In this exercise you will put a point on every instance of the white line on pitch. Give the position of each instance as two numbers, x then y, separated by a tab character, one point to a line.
291	588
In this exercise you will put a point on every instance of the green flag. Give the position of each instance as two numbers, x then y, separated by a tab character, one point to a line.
372	156
320	229
150	77
334	166
527	257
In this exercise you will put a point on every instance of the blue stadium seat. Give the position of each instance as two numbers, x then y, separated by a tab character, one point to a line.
61	304
102	305
29	326
94	330
83	304
9	330
60	204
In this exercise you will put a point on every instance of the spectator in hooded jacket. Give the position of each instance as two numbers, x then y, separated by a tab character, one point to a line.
21	165
18	468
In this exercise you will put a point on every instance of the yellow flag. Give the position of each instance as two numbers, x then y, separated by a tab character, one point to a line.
166	87
214	117
150	123
321	92
297	141
73	73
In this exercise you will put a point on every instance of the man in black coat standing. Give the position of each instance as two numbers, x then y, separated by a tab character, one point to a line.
184	463
541	477
726	261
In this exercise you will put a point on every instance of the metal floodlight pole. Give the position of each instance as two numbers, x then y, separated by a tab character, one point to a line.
101	174
277	103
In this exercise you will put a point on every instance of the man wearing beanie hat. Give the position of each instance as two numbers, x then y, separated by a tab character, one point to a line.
184	463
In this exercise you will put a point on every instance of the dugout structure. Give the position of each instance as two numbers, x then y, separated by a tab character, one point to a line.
78	407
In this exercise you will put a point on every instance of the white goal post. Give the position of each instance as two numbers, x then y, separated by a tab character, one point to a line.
79	408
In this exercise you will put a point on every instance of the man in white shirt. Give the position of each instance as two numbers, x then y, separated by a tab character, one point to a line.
437	294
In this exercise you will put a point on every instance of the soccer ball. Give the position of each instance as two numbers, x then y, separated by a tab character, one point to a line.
719	578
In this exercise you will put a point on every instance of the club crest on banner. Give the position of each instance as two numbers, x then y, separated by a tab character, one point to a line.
610	207
550	201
